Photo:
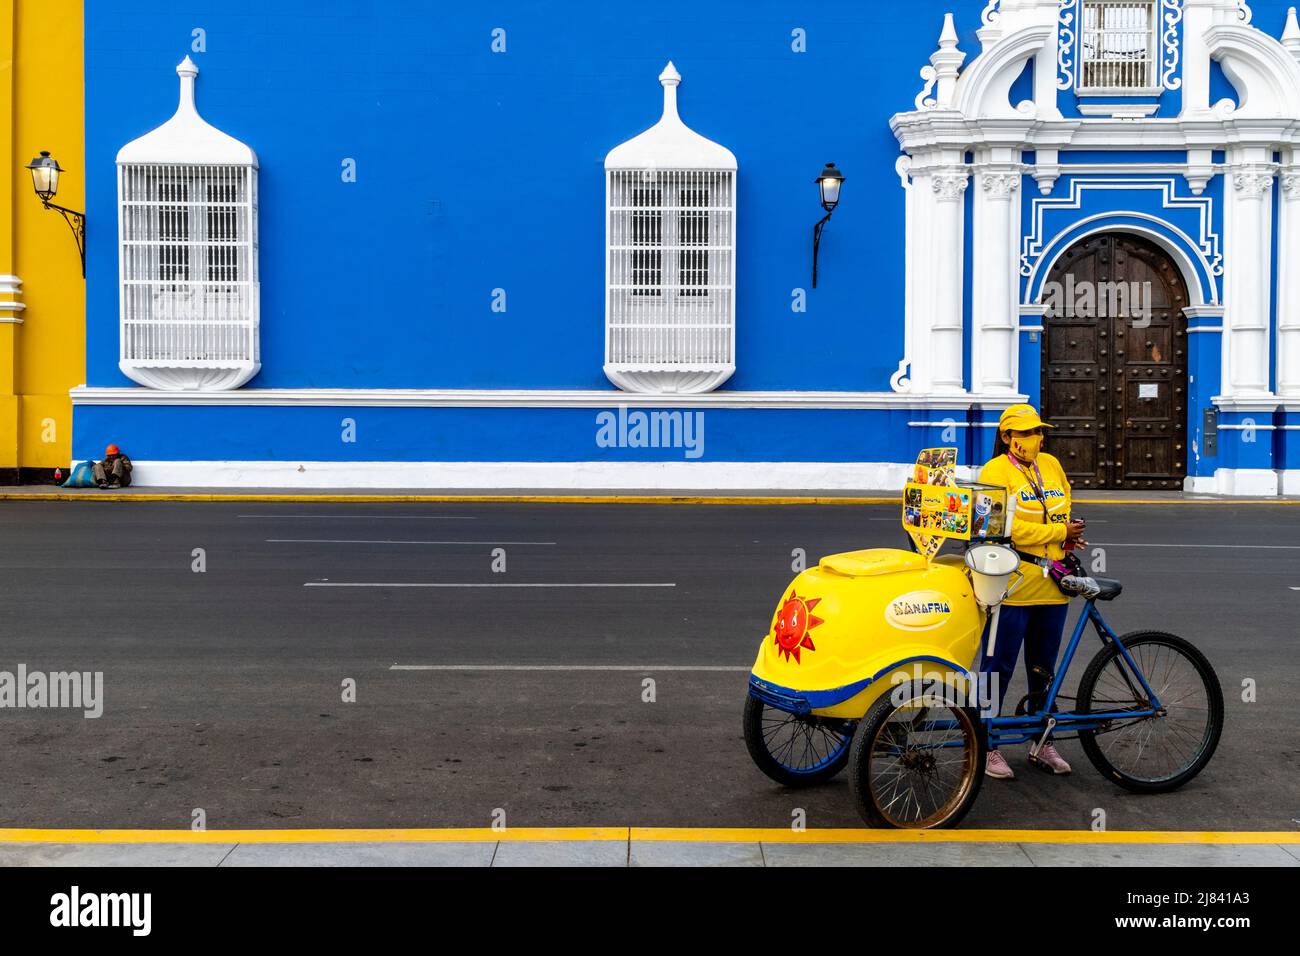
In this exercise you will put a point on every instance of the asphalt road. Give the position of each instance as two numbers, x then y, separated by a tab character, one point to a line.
223	689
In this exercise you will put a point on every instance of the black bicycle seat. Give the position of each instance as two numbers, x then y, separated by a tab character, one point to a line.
1110	588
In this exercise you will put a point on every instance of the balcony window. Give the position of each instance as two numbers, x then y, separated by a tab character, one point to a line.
1117	47
187	211
670	258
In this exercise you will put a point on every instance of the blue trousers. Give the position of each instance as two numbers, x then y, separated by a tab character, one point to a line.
1039	628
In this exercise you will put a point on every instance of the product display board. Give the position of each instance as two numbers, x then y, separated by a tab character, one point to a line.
990	517
936	506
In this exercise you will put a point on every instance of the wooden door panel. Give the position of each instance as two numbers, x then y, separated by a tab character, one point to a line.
1077	453
1144	406
1073	401
1075	344
1115	377
1149	458
1149	346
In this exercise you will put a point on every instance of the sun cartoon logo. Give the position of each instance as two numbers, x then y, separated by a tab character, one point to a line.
793	622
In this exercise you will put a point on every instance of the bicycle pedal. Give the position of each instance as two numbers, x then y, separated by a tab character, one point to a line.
1042	765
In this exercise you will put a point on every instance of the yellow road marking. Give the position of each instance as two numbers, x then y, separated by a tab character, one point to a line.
468	835
657	834
755	500
966	836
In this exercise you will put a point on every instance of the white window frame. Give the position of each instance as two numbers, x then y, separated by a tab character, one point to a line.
189	298
670	258
1088	40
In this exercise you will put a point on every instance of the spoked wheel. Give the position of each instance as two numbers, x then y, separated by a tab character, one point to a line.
1161	753
917	759
796	750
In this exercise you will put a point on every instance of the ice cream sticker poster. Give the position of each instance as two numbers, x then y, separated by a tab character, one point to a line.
942	510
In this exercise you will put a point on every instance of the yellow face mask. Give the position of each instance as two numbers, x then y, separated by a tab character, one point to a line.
1027	448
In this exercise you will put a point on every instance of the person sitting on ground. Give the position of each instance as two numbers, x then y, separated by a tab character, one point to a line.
115	470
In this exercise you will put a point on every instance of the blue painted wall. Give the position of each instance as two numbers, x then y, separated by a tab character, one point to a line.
479	171
161	433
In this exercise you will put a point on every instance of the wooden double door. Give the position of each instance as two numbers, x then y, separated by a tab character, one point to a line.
1114	372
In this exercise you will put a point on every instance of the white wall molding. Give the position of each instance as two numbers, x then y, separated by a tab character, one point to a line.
1119	110
11	309
1243	482
531	398
543	476
1266	405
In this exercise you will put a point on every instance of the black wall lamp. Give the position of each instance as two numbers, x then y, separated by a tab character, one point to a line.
829	181
45	180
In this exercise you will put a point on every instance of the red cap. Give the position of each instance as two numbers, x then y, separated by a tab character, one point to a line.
112	450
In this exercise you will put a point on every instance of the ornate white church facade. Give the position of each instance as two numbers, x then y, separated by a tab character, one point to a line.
1149	149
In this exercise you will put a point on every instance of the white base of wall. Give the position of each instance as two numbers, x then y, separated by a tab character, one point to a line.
562	476
1245	482
592	475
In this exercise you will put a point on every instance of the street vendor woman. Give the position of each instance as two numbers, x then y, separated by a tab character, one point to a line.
1038	495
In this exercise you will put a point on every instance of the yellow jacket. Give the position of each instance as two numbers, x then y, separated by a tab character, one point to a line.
1035	529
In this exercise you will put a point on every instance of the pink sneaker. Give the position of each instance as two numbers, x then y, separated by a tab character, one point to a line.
1050	756
996	766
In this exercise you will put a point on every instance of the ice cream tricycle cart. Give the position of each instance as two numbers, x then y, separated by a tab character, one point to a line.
872	660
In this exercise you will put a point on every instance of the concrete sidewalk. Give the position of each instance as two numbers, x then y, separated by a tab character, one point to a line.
885	848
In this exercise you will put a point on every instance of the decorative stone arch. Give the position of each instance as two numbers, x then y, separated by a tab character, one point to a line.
984	89
1197	273
1264	73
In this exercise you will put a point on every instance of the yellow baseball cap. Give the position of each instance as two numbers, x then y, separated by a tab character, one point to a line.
1021	418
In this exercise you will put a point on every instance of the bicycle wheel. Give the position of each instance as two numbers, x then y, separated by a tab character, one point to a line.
795	750
1161	753
917	760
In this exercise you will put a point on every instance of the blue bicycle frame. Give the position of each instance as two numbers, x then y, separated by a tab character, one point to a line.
1015	730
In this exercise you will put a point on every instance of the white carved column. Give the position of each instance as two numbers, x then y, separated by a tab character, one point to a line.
1288	286
945	270
994	300
1247	280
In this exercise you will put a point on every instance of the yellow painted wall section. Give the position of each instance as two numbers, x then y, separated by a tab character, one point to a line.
41	107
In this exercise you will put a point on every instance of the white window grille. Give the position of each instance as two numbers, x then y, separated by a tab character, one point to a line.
187	208
1117	46
670	269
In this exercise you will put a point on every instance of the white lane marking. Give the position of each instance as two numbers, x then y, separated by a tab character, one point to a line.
1245	547
390	541
375	517
566	667
411	584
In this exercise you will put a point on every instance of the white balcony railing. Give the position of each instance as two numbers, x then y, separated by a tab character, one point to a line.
1118	46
